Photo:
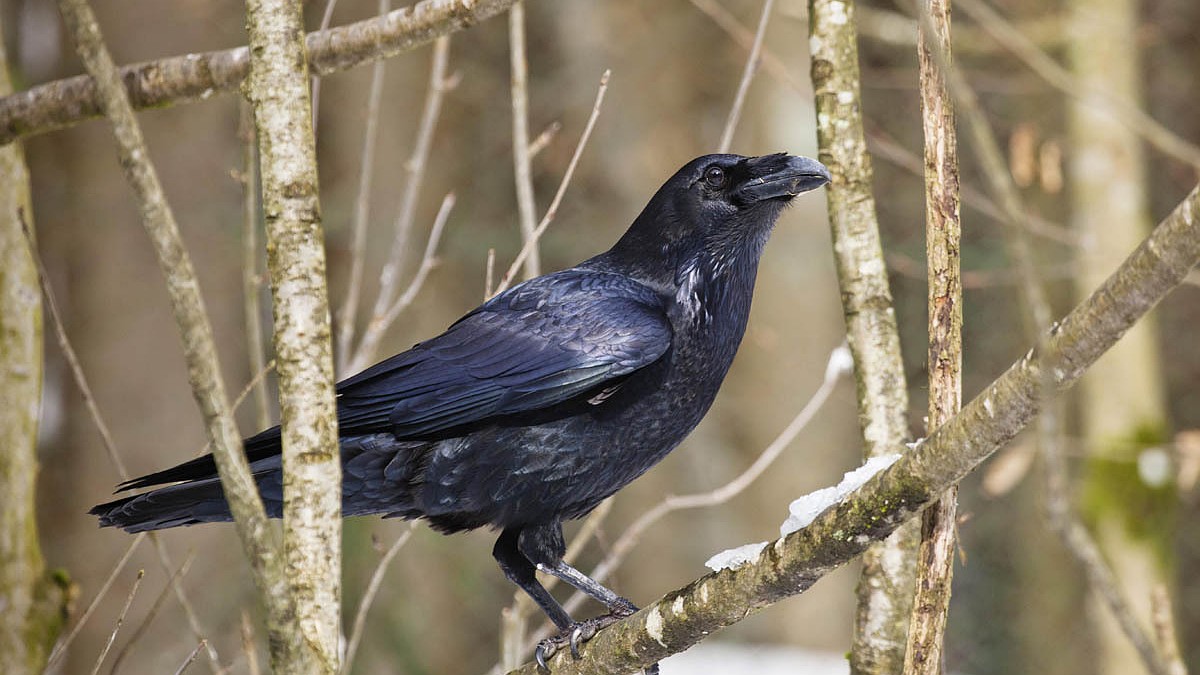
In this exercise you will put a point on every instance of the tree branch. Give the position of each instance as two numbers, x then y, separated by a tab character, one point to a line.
312	471
885	587
194	77
791	565
935	558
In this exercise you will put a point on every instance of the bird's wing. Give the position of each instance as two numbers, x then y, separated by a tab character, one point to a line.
539	344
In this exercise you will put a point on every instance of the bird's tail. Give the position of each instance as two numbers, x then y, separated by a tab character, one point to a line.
171	506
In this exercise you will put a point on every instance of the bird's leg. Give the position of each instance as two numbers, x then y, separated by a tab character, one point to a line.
520	571
543	546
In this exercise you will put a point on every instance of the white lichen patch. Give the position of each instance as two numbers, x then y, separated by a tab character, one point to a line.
654	626
677	606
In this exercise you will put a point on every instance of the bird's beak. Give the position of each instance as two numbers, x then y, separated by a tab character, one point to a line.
784	177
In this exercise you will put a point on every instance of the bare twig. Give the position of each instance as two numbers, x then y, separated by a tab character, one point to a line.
1048	69
1164	630
925	650
522	169
364	606
489	273
379	325
251	277
838	366
752	64
886	148
194	77
729	23
248	644
191	658
428	262
148	620
389	276
63	645
362	211
106	439
137	582
552	210
544	139
326	20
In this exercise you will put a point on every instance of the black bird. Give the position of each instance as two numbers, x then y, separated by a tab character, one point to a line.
549	397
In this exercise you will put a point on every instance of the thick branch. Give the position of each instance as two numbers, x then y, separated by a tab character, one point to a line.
935	558
791	565
312	476
885	588
194	77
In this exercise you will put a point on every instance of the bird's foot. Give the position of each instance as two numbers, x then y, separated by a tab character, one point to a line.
582	631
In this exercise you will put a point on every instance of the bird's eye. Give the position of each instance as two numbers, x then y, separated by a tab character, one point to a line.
714	176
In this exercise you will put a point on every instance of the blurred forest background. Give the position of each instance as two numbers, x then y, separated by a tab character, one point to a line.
1019	603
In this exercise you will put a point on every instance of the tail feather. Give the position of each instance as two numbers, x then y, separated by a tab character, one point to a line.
172	506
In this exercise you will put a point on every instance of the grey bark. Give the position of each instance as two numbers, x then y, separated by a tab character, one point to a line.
312	470
33	598
885	587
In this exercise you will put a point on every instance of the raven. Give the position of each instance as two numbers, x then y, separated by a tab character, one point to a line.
546	399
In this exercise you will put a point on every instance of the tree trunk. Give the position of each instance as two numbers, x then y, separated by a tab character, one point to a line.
1122	403
32	599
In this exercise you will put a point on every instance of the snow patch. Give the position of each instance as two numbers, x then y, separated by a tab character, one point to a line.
805	509
734	558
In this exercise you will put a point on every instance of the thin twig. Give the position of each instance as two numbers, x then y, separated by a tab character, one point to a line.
1048	69
148	620
729	23
752	64
248	649
428	261
522	165
389	275
72	359
543	139
362	211
379	325
552	210
64	644
838	366
1164	630
110	447
251	276
364	606
887	149
326	20
191	657
489	273
112	637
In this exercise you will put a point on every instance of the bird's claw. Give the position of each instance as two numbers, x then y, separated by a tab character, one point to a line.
579	633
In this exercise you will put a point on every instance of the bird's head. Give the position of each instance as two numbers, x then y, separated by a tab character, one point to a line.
721	207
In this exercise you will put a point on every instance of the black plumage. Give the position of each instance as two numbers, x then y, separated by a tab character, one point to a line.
548	398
